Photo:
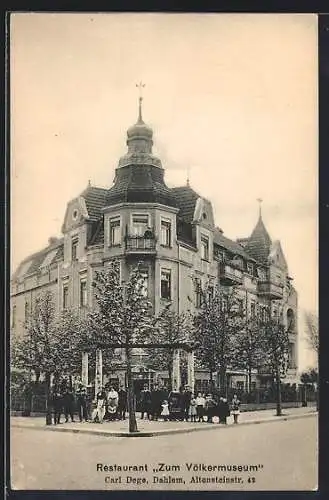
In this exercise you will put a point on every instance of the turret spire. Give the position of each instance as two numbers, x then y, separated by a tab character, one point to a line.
140	86
260	201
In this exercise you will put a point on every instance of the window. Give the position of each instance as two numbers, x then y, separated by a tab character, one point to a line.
145	280
74	249
291	356
240	306
27	311
166	233
210	293
252	309
140	224
240	385
253	386
65	297
83	293
250	268
166	284
13	317
204	248
115	231
261	274
198	292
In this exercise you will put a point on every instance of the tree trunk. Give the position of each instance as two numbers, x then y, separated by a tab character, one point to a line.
131	396
170	372
48	399
249	383
278	393
211	380
222	379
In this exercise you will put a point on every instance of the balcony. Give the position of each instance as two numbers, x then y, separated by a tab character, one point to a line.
140	245
270	290
229	275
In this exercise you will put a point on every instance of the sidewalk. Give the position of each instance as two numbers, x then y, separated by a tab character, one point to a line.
148	428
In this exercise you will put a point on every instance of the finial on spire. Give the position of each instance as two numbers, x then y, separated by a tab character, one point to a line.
188	176
260	201
140	85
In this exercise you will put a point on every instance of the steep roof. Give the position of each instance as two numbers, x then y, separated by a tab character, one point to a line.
230	245
259	244
31	264
95	199
186	199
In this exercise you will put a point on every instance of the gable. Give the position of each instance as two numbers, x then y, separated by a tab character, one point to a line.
203	213
76	214
276	256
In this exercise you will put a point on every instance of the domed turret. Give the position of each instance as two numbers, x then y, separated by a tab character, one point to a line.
139	176
139	142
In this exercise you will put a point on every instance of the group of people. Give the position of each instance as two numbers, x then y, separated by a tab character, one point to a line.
184	405
111	404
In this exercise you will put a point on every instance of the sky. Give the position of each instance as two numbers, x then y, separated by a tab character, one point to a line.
232	100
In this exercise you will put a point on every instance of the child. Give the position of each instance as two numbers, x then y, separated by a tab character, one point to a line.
192	410
165	410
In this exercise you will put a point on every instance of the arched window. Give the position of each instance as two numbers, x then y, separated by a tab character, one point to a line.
290	320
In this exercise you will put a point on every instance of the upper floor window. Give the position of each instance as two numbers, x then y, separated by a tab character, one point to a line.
27	311
83	293
198	292
250	268
115	231
210	293
13	317
65	298
165	233
252	309
140	224
145	282
74	249
261	274
204	248
165	284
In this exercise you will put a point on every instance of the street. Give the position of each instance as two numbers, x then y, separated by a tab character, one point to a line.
270	456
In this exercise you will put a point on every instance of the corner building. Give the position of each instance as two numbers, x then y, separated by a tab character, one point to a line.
173	232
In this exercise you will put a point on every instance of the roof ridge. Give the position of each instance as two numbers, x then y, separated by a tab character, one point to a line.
56	244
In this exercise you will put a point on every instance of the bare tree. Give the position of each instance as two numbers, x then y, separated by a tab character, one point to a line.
312	331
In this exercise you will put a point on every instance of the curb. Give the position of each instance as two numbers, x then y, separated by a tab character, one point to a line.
165	432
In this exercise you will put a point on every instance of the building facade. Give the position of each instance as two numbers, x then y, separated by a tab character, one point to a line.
173	232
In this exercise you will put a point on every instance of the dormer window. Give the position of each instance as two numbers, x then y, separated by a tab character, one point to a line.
74	249
204	248
115	231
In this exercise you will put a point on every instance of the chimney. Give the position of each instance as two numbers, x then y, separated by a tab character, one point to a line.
52	240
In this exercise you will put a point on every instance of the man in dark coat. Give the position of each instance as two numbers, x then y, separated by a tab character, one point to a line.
145	402
210	408
57	405
122	403
68	401
156	401
223	410
186	400
81	395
